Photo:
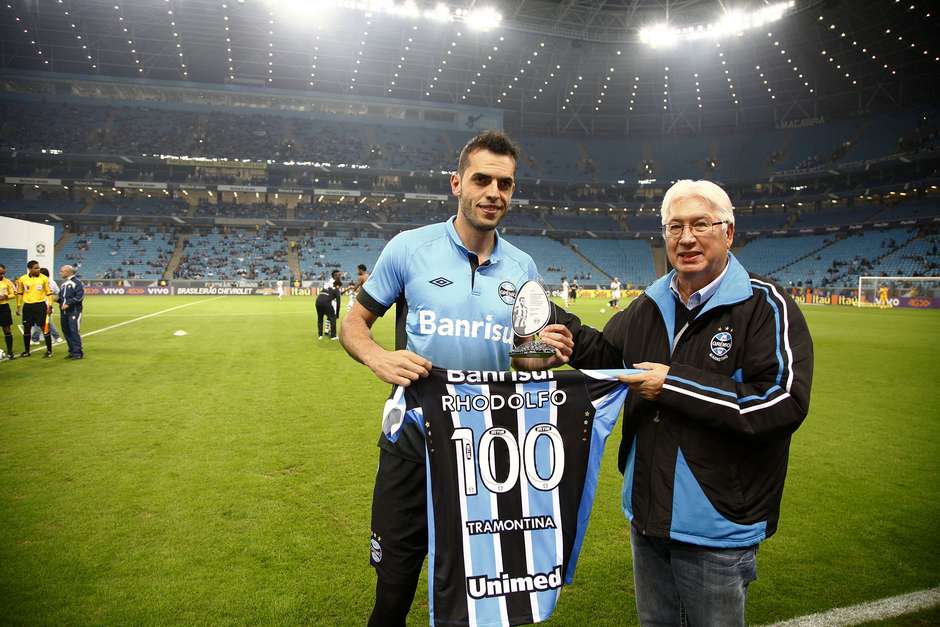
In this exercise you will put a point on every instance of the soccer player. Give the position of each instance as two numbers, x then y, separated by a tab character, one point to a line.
54	332
361	277
328	301
7	293
615	293
883	297
34	303
71	303
453	284
564	290
728	367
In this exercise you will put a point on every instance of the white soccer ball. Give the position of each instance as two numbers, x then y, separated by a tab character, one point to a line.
603	310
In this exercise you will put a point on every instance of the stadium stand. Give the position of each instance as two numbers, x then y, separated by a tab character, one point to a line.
238	254
319	255
125	253
629	260
555	260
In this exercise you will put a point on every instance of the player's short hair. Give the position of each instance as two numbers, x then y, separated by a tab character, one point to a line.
494	141
3	266
44	271
32	263
713	195
361	266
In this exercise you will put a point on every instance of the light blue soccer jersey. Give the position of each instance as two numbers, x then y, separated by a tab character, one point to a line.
450	310
457	314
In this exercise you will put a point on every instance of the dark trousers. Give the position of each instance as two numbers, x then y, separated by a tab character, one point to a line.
70	321
34	314
325	309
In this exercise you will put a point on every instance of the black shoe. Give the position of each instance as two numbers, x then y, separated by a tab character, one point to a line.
10	357
47	355
75	357
24	354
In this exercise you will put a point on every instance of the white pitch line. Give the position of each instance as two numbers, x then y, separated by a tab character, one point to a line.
871	611
150	315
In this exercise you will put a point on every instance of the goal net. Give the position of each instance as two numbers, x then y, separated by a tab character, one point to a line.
899	291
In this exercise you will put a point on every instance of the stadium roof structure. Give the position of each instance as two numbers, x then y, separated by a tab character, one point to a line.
590	67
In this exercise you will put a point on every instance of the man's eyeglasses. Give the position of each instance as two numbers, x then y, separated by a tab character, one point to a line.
674	230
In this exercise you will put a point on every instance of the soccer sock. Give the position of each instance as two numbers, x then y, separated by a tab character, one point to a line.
27	334
48	342
9	339
392	603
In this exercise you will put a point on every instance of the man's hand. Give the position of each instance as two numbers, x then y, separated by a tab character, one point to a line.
18	313
558	337
65	306
399	367
648	384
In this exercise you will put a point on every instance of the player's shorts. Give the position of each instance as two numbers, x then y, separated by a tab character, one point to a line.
34	313
6	316
399	519
325	306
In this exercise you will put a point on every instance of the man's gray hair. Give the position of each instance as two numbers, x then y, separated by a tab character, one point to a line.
716	197
69	269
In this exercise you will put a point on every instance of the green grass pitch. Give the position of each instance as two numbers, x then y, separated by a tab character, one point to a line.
225	476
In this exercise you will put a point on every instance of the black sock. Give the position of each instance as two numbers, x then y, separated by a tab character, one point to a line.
27	334
392	603
48	342
9	339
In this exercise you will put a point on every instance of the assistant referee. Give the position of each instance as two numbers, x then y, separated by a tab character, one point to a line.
34	300
7	294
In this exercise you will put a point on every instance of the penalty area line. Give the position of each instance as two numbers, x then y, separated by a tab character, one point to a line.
150	315
865	612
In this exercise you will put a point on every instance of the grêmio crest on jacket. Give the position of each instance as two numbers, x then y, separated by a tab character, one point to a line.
720	345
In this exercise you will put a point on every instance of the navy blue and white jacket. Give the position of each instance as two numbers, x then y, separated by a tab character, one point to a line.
706	462
72	293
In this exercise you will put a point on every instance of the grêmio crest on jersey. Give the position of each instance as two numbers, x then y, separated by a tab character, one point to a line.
512	459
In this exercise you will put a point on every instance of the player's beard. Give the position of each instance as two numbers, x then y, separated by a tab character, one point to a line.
470	213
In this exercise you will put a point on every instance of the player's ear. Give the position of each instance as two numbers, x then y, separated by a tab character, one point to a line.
455	184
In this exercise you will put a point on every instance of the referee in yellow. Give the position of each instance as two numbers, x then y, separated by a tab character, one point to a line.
34	299
7	294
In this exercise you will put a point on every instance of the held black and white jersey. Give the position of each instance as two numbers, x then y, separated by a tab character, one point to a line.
512	463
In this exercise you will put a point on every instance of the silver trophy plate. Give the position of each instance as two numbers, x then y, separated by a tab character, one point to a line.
530	314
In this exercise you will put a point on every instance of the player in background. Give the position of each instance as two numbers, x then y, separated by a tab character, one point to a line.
36	334
883	297
615	293
564	290
328	301
7	293
361	277
280	289
34	303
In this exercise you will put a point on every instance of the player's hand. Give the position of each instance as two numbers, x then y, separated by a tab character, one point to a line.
18	312
65	306
648	384
399	367
559	337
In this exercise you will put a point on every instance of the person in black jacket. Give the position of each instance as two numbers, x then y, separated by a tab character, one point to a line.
71	304
328	305
728	365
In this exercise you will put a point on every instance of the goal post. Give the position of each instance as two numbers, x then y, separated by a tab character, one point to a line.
920	292
37	240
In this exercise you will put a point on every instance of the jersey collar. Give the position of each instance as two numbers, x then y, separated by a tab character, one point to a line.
495	256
